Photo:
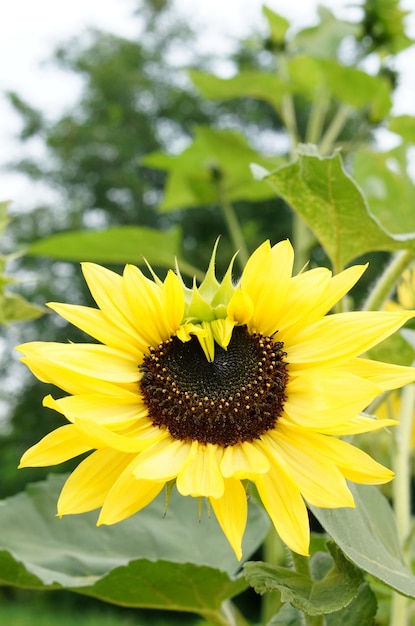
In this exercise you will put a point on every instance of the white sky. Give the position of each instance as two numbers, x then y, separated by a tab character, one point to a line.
31	29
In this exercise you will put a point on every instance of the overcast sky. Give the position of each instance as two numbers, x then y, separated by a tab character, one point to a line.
31	29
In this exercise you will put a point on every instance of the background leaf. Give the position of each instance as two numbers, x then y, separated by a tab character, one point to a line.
123	244
331	203
40	550
314	597
215	164
361	610
368	537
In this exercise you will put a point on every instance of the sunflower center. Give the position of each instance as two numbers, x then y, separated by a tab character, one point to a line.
235	398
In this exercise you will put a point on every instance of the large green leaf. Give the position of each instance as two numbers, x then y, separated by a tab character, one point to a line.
335	590
175	562
347	84
247	84
213	169
361	610
367	535
331	203
122	244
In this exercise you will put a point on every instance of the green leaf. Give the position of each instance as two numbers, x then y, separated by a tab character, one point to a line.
247	84
367	535
214	167
14	308
166	585
348	85
388	188
323	40
278	25
404	125
331	203
361	610
314	597
123	244
148	560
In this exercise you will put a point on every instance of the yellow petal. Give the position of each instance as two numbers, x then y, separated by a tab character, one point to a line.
317	398
285	506
266	279
354	464
58	446
88	485
94	361
145	300
240	307
231	511
98	325
353	426
200	475
316	476
173	302
342	336
107	290
117	412
127	496
101	437
162	461
312	294
243	460
386	375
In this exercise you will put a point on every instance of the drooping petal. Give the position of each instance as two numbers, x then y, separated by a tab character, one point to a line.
353	426
244	460
127	496
200	475
162	461
231	511
135	440
88	485
318	478
56	447
285	506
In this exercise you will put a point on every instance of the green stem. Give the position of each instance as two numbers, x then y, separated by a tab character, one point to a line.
303	240
301	565
274	553
287	109
234	228
388	280
216	618
401	492
318	114
329	138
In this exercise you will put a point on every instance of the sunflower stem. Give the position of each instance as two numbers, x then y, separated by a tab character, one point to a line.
287	108
401	493
327	143
274	553
218	618
386	282
234	228
317	116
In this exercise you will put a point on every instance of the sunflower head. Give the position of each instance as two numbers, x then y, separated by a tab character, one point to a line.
214	386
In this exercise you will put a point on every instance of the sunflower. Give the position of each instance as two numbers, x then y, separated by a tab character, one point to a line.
215	386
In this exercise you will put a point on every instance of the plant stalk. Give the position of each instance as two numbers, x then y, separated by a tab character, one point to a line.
329	138
234	228
387	281
401	493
